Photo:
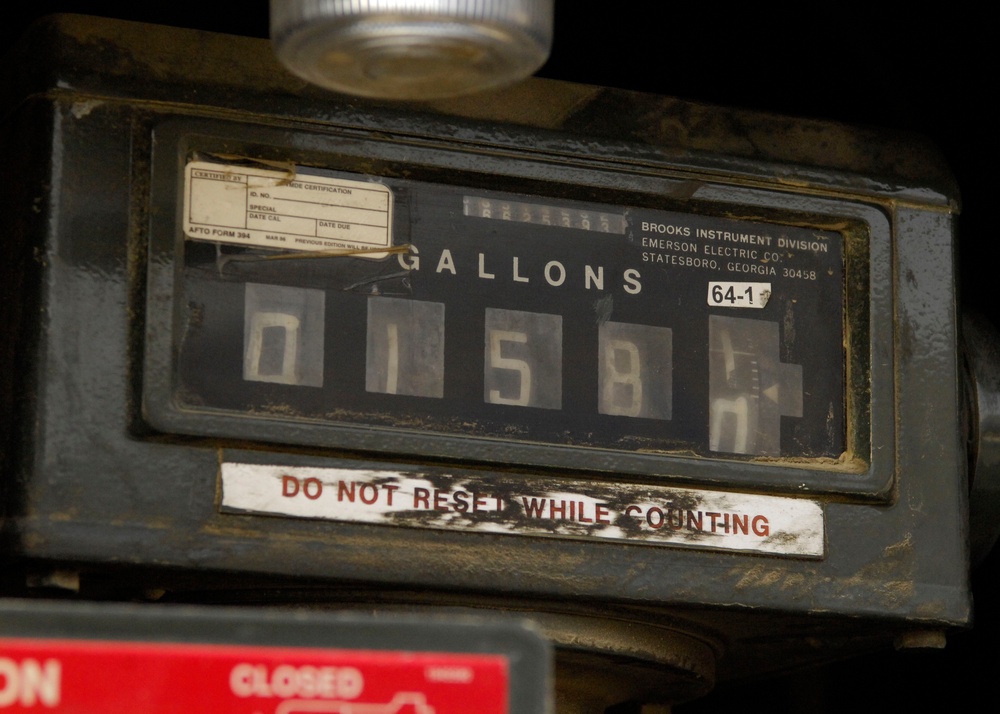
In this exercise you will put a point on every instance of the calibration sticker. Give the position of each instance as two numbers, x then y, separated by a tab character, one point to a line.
284	209
566	509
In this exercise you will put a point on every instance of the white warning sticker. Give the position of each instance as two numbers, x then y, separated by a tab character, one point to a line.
626	513
287	210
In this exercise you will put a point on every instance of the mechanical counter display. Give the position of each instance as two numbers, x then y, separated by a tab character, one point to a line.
523	318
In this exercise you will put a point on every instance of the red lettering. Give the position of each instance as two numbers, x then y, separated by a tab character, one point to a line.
583	518
553	509
316	487
440	500
602	514
461	504
660	518
712	517
342	490
289	486
760	526
533	508
389	490
632	511
478	503
373	489
695	521
421	496
740	524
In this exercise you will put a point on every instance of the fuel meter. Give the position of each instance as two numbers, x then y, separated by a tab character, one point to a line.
667	379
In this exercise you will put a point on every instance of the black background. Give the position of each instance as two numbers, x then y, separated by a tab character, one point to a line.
900	69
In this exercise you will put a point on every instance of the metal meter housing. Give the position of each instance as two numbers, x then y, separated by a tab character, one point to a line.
155	371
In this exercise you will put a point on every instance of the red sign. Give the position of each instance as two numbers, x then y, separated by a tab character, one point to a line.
87	677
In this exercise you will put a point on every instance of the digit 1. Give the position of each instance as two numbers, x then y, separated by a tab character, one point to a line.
405	347
392	359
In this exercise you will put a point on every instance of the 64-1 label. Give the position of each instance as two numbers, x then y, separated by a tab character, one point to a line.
746	295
